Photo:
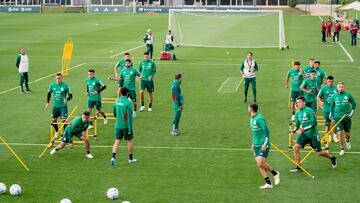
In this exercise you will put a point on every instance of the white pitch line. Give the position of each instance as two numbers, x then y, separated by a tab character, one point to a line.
237	88
39	79
55	41
132	49
227	79
343	48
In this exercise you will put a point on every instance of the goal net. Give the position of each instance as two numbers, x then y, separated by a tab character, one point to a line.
228	28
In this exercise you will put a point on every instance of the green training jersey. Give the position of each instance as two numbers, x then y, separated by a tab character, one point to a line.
147	69
121	65
92	85
340	104
309	84
129	75
60	92
123	113
326	93
307	70
306	119
320	76
296	79
177	95
77	125
260	131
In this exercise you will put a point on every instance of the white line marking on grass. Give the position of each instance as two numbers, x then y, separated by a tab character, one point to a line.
132	49
237	88
222	85
39	79
343	48
55	41
232	85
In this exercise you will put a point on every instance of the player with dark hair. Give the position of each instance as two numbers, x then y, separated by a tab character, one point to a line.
178	103
297	78
310	89
147	68
248	72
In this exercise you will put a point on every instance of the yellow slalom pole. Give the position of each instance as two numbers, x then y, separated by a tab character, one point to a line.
326	135
13	152
56	134
289	97
290	159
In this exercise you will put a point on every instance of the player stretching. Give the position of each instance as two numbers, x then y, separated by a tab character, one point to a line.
306	118
296	81
149	41
310	89
123	126
147	69
320	75
60	90
324	98
308	68
119	66
340	106
247	70
94	87
178	103
261	146
76	127
128	74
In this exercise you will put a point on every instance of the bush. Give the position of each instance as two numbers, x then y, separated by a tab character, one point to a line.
292	3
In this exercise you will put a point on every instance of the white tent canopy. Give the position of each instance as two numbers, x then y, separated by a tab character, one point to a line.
354	5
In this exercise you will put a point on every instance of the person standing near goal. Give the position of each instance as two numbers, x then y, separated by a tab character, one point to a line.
247	70
261	146
22	64
169	41
296	81
149	41
147	68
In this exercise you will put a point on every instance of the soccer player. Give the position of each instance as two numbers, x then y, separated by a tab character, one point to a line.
77	127
337	28
22	64
340	106
94	87
329	25
178	103
261	146
147	68
62	95
123	126
308	68
149	40
119	66
169	41
306	118
324	98
129	75
310	89
247	70
323	30
296	81
320	74
354	29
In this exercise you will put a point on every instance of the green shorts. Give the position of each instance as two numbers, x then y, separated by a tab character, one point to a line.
313	141
67	137
345	124
120	83
60	111
91	104
132	95
169	47
312	105
294	95
149	85
123	134
326	116
259	152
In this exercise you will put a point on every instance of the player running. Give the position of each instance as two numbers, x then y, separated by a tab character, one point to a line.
119	66
76	127
123	126
310	89
261	146
147	69
308	68
149	41
62	95
320	74
296	81
306	118
247	70
340	106
22	64
94	87
178	103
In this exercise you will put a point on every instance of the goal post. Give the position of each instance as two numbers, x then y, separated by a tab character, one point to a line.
228	28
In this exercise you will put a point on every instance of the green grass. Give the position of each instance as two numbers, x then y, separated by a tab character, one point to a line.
169	169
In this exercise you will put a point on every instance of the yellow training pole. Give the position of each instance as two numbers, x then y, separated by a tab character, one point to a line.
56	134
326	134
13	152
290	159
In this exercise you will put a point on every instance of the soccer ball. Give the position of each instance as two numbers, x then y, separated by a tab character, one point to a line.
15	190
112	193
125	202
2	188
65	201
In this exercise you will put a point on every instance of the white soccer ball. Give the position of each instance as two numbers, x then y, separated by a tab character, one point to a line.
66	200
2	188
15	190
112	193
125	202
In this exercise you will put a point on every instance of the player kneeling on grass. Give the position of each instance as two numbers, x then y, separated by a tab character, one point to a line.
306	118
178	102
261	146
76	127
123	126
